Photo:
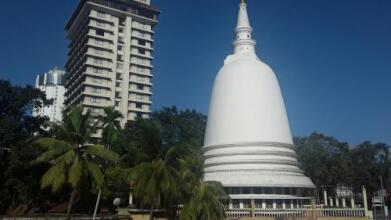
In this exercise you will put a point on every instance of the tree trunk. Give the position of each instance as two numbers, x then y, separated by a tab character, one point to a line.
73	194
151	212
97	204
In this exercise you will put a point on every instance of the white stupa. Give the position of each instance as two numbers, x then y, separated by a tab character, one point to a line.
248	144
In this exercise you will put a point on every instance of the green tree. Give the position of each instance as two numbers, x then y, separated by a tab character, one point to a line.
332	165
157	183
73	161
18	129
206	202
370	162
169	165
109	121
203	200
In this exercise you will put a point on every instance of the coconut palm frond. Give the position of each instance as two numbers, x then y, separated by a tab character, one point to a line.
95	172
67	158
102	152
55	177
53	148
75	172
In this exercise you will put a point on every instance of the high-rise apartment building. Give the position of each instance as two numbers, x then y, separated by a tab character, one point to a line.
52	84
110	56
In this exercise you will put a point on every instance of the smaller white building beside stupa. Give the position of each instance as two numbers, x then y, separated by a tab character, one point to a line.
52	84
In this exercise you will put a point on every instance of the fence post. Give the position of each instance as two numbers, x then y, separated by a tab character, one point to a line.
365	202
325	197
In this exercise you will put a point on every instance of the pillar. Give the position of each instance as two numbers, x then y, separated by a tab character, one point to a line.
343	202
241	204
230	205
352	202
130	198
364	199
331	201
274	204
337	202
264	204
324	197
292	205
252	208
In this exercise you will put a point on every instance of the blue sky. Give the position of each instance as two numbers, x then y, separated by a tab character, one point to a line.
332	57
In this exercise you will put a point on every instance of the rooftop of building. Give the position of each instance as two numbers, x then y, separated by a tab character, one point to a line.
117	4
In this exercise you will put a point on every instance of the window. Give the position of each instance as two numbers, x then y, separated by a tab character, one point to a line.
100	24
97	70
122	21
118	95
100	32
119	76
99	42
98	81
117	103
120	66
139	97
95	100
119	47
121	30
101	14
98	61
98	51
140	79
120	58
139	105
141	51
140	87
139	115
95	90
120	40
142	42
118	84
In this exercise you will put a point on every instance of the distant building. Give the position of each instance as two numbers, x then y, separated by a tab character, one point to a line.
52	84
110	57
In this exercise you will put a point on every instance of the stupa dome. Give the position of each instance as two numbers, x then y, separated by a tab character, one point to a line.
248	142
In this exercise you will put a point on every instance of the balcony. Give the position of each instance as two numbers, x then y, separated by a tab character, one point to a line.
134	44
133	99
135	53
106	36
101	25
144	92
137	27
105	65
134	109
142	36
138	63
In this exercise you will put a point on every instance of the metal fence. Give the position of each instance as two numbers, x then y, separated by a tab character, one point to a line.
324	212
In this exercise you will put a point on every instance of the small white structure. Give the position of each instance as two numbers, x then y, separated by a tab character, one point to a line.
52	84
248	144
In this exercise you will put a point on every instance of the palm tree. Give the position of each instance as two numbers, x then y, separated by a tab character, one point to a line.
206	202
109	121
73	161
205	199
157	182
